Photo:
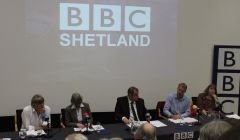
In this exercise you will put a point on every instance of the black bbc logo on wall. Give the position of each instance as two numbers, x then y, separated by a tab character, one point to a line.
226	75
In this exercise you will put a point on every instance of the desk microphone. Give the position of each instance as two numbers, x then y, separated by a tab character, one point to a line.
198	110
148	117
45	119
195	107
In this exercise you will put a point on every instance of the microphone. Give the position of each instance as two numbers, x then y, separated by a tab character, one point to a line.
86	115
88	123
216	99
45	119
196	108
148	117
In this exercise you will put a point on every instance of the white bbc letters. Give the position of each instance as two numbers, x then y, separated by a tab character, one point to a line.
75	16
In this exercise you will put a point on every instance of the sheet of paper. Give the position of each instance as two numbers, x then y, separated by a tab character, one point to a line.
34	133
184	120
83	129
157	123
136	123
98	127
234	116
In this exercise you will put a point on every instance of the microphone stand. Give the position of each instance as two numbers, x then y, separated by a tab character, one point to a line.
148	117
48	127
198	116
87	132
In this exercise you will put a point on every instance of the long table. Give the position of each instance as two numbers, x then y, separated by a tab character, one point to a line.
170	132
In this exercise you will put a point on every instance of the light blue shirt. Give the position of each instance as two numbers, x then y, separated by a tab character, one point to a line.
174	106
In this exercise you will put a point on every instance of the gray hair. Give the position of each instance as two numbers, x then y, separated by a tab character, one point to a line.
213	130
76	137
146	131
37	99
114	138
76	98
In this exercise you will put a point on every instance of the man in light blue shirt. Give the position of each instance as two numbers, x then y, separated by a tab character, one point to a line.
178	105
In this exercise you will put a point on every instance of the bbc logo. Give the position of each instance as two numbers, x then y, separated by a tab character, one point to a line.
228	78
74	16
183	135
229	59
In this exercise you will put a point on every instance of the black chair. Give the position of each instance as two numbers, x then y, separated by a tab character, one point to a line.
63	116
104	117
56	121
7	123
194	100
152	113
159	110
19	118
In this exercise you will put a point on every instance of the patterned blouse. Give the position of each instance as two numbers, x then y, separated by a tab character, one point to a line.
206	102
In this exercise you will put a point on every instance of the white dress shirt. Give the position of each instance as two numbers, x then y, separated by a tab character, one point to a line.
131	118
30	118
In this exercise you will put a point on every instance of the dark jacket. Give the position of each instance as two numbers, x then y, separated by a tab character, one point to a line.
122	108
71	115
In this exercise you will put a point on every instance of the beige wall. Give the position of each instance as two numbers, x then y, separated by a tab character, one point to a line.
201	24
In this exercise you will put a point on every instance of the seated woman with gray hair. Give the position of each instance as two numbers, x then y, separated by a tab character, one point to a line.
78	112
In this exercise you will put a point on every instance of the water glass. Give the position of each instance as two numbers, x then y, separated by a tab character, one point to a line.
22	133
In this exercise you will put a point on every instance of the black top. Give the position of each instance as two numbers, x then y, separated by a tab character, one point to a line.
122	108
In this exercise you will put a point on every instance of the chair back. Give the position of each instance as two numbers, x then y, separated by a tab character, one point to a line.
7	123
63	116
56	121
104	117
19	118
152	113
194	100
159	110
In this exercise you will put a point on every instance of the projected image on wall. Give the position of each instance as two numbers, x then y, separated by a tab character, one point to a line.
95	47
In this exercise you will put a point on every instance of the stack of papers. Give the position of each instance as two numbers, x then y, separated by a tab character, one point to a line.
234	116
94	128
98	127
33	133
184	120
154	123
157	123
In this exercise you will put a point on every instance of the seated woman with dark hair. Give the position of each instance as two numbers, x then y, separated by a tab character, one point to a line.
207	101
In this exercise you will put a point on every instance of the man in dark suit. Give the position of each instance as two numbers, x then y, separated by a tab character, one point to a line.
131	107
77	113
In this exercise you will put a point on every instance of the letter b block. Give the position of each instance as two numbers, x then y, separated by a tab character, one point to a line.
107	18
74	16
228	83
229	59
